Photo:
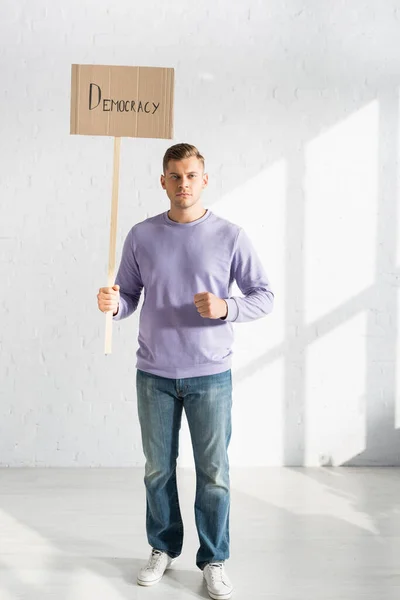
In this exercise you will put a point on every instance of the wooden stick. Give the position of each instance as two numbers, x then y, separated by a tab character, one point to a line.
113	240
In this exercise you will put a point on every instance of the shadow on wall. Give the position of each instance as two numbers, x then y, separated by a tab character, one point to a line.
377	303
281	123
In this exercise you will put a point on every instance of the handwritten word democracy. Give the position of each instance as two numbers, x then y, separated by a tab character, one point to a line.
119	105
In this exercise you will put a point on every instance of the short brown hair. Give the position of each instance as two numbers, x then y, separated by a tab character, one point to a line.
179	152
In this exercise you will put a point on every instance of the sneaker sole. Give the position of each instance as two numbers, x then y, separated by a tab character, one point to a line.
219	596
148	583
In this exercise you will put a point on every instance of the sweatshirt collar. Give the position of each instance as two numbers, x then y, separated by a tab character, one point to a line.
191	224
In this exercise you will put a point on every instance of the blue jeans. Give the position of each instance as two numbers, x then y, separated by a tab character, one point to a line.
207	401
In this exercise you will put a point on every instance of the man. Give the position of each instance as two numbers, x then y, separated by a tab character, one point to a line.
186	259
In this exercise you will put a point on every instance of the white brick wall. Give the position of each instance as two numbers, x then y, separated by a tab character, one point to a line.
296	108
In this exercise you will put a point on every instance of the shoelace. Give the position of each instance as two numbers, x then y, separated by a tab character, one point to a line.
154	558
216	571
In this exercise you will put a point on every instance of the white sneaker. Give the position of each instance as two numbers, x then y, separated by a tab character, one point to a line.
218	584
154	570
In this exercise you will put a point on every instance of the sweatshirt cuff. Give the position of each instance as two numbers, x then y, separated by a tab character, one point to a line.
233	310
121	309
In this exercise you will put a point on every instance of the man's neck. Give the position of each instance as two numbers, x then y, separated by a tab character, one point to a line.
186	216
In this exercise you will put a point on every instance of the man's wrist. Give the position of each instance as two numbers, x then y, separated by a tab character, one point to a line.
226	312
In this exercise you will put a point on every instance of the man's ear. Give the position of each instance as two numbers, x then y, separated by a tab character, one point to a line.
205	180
162	180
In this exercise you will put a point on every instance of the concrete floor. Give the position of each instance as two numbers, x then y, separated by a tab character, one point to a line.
296	534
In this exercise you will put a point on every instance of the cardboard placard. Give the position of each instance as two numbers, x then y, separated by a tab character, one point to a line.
122	101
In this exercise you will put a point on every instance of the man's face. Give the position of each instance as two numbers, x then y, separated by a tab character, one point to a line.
184	181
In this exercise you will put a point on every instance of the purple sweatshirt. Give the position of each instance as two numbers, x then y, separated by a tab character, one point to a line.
173	262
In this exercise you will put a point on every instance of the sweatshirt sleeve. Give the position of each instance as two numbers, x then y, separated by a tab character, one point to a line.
249	274
129	280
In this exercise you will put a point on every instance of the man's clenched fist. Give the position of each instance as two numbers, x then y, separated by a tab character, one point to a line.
108	299
209	306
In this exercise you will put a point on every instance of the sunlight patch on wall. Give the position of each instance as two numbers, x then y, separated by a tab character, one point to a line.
259	207
341	212
397	372
336	373
257	417
397	279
